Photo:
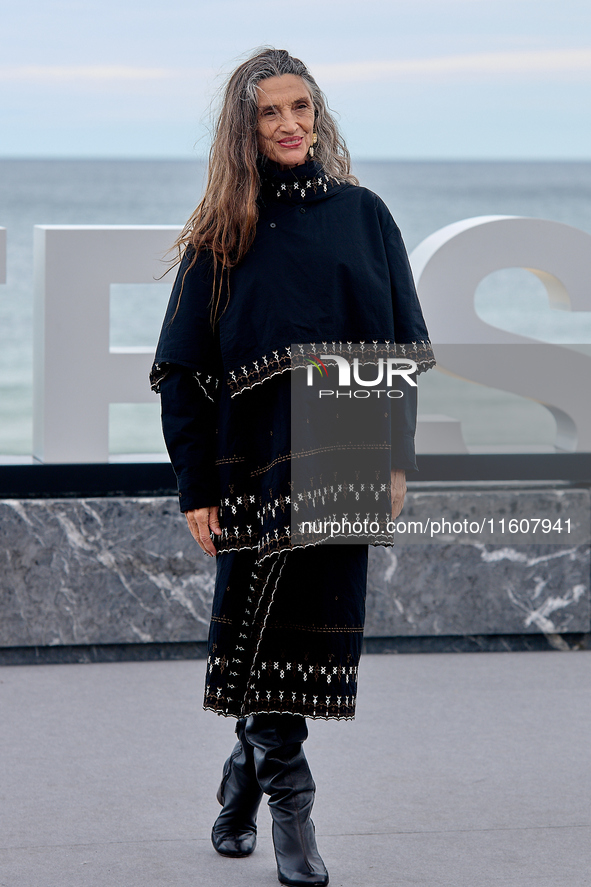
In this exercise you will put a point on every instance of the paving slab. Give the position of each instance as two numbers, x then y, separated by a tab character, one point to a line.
460	769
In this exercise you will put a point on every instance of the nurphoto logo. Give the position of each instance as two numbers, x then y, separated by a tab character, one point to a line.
383	369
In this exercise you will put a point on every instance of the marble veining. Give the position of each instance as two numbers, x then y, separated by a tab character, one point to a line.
551	604
79	571
127	571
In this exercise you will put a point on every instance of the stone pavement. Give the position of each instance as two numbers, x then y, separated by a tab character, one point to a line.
461	770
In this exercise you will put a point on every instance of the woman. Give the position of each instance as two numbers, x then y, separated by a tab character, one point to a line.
284	248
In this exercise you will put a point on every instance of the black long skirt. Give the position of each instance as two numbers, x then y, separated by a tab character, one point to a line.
286	632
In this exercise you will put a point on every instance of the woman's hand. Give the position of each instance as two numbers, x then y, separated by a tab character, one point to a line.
397	490
202	522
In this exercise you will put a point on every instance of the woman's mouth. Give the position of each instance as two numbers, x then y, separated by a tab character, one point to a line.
291	143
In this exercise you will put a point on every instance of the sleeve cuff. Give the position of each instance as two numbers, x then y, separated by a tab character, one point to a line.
197	491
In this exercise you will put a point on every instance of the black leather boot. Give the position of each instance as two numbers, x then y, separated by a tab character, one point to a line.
283	773
234	832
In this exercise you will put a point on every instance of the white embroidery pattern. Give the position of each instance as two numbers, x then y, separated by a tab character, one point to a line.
304	188
206	381
314	690
281	359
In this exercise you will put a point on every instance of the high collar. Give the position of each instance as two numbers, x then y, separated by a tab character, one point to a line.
305	183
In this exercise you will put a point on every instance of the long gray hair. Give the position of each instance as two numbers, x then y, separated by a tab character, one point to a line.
225	220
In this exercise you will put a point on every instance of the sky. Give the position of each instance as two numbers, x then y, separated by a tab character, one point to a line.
420	79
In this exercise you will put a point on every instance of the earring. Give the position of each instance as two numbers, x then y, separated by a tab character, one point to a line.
314	140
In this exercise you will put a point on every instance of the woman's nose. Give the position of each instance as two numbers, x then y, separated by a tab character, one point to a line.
289	121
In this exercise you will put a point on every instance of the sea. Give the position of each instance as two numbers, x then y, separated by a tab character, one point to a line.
422	196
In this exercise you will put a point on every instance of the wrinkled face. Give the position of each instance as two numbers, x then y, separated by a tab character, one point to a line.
285	119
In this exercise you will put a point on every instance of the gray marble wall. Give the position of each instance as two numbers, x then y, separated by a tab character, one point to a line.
125	570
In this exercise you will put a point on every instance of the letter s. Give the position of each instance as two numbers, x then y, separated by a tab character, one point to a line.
448	266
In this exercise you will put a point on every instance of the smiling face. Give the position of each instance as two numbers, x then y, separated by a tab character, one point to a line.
285	119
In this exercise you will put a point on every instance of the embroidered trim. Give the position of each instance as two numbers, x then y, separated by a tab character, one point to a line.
230	460
323	494
282	359
340	629
264	623
158	373
206	381
314	716
260	370
305	672
302	454
301	187
245	518
309	182
325	690
248	628
277	461
267	544
290	545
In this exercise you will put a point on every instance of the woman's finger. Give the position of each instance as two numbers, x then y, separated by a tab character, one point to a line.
198	523
192	524
214	521
205	541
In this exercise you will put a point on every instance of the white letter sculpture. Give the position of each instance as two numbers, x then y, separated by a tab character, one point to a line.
76	374
449	265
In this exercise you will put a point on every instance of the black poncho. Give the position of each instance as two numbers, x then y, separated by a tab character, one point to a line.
327	266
